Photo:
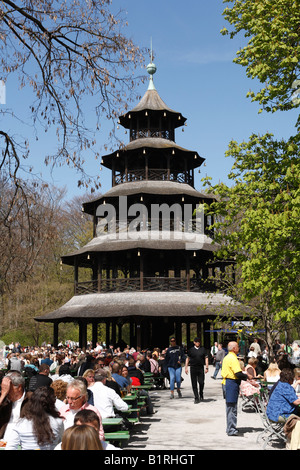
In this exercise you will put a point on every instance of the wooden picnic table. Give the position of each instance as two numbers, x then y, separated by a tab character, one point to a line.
111	422
119	437
141	387
130	397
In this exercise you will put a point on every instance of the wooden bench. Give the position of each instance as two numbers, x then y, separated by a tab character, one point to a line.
119	437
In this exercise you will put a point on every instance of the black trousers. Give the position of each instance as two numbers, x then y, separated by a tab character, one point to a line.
197	378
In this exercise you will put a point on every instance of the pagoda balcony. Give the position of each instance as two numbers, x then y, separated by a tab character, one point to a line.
153	174
192	226
154	132
146	284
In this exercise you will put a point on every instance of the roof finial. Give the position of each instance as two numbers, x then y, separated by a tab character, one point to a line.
151	69
151	54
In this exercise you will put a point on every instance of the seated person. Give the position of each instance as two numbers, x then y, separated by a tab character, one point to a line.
41	379
283	400
296	383
116	375
89	417
124	372
12	398
251	368
111	383
106	400
251	386
134	373
272	374
143	363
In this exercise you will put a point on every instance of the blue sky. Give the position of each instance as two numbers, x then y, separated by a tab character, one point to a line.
195	76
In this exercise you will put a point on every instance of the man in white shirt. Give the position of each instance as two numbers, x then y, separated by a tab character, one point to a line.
256	347
105	398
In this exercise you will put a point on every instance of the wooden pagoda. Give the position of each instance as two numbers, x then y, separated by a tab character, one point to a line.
149	268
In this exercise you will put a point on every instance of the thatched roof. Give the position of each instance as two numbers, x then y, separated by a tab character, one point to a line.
151	101
164	188
156	240
157	145
144	304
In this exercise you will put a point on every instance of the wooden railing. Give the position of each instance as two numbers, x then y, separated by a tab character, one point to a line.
145	133
153	174
192	226
147	284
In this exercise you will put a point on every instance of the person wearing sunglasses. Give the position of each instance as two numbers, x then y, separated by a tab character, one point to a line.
174	358
77	399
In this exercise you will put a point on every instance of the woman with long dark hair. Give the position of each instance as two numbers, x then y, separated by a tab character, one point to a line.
40	425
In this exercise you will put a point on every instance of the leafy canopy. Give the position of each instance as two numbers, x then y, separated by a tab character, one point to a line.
273	49
259	220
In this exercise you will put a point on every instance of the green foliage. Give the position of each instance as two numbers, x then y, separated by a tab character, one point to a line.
259	220
258	216
273	50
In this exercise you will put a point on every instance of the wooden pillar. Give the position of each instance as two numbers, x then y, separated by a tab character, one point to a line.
131	333
113	174
82	334
168	168
75	275
187	270
113	333
138	334
99	273
126	169
120	331
94	333
107	340
55	334
141	270
199	331
188	334
206	335
146	168
178	332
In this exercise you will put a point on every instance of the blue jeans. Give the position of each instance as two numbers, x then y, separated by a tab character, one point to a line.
175	376
218	367
230	392
231	418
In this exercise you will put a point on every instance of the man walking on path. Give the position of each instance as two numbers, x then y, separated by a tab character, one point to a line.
197	357
218	360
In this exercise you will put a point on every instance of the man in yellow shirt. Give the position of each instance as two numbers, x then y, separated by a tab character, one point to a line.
232	375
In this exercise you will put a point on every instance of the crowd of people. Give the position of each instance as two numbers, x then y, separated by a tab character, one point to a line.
66	381
47	392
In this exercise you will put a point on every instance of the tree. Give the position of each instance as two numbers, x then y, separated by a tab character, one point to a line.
258	224
32	281
273	50
66	51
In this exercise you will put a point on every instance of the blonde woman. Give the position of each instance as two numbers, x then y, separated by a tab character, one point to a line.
272	374
89	375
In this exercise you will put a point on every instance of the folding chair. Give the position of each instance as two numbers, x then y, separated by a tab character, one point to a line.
273	431
248	402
